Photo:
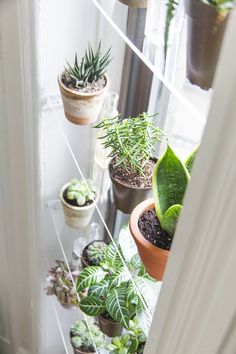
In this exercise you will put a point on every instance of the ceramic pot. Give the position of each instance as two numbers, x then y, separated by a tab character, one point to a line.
141	4
77	351
153	258
82	108
126	197
206	29
109	328
76	217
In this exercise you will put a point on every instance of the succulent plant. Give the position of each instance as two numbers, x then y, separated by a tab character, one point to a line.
95	252
131	140
92	67
81	191
86	339
62	285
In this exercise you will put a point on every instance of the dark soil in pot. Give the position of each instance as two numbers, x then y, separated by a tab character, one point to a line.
108	326
90	87
87	259
73	202
151	230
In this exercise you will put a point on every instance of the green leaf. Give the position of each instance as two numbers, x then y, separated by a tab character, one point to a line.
190	159
112	256
116	305
135	263
121	275
171	217
92	306
90	276
100	289
134	345
170	179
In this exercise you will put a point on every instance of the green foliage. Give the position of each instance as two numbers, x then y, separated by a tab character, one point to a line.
190	159
93	66
95	251
170	179
85	338
131	342
81	191
132	140
221	5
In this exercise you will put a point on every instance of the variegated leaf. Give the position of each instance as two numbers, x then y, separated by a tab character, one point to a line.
99	289
90	276
116	305
92	306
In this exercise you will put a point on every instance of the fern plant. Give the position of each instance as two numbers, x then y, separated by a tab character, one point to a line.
93	66
132	140
111	290
170	179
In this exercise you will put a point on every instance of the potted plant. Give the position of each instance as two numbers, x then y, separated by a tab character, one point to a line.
206	26
111	293
153	222
78	198
84	339
141	4
132	342
132	144
93	253
83	86
62	285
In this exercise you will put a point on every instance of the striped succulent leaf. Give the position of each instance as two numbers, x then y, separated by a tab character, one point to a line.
116	305
100	289
90	276
92	306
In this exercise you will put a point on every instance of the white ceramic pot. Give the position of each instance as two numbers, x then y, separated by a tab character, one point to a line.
141	4
76	217
82	108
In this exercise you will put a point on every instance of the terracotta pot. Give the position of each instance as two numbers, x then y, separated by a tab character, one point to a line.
82	108
153	258
76	217
126	198
206	29
141	4
109	328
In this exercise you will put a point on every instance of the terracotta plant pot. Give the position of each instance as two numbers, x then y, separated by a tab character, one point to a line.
109	328
153	258
206	29
76	217
82	108
141	4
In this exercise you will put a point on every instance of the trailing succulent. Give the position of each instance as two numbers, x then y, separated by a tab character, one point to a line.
111	287
87	339
170	179
132	341
81	191
62	285
92	67
95	252
132	140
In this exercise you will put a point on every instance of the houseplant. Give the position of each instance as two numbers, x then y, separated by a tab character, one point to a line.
93	253
61	284
84	339
206	23
78	198
141	4
111	292
132	144
153	222
83	86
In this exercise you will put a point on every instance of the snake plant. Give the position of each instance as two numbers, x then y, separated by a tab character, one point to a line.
170	179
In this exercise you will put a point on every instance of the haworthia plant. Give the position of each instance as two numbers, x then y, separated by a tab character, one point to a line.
170	179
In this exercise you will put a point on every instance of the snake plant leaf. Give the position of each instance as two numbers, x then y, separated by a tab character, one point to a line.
170	179
190	159
90	276
92	306
121	275
116	305
100	289
170	218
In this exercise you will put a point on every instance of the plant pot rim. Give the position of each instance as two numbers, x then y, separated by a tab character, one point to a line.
208	7
132	4
134	229
124	185
72	207
81	350
83	94
110	321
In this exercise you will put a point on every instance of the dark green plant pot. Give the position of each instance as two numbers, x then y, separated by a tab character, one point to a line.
109	328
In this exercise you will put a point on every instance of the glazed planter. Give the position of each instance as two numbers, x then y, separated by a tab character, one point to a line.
109	328
76	217
141	4
153	258
206	29
80	107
